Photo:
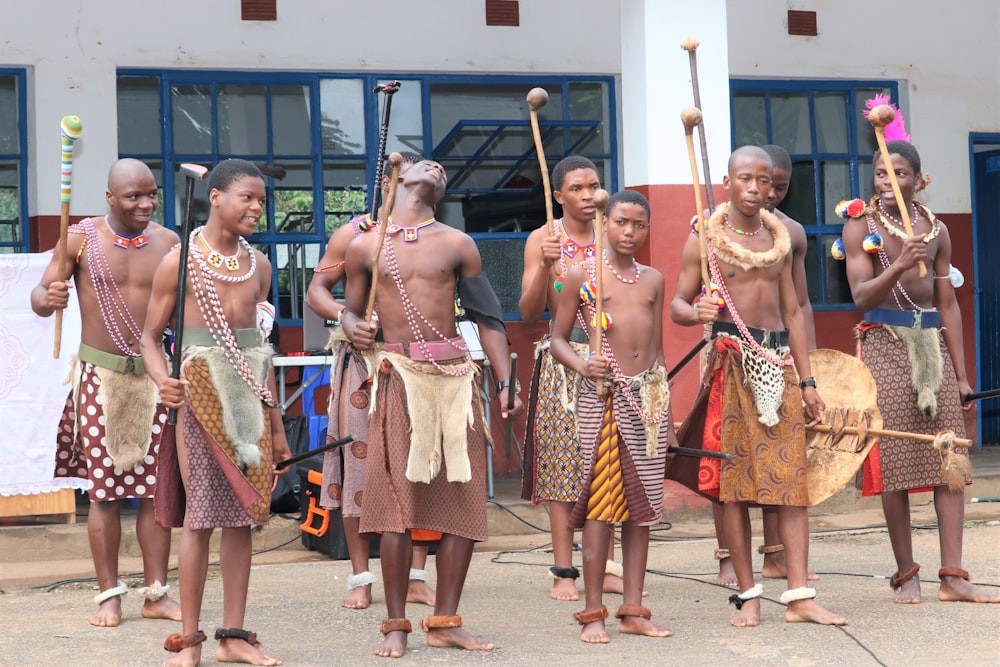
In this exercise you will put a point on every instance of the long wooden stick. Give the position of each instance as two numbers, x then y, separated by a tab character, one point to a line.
395	161
511	395
600	202
879	117
691	46
883	433
537	98
71	128
691	117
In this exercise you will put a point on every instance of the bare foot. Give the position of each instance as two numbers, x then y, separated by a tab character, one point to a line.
359	598
565	590
594	633
637	625
614	584
189	657
393	645
419	592
956	589
456	638
749	615
807	611
727	575
775	567
909	592
108	614
164	608
237	650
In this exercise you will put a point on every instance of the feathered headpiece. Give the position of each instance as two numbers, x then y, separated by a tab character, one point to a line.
896	130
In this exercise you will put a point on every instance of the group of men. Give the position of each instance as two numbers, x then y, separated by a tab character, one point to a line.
599	417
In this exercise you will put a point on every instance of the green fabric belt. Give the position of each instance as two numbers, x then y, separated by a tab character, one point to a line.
244	337
113	362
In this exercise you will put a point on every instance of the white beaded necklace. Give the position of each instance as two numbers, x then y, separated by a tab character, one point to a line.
114	308
204	264
617	275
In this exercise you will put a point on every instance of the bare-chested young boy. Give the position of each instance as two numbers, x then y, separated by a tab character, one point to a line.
624	392
553	463
910	338
427	449
774	566
113	408
344	469
758	344
229	429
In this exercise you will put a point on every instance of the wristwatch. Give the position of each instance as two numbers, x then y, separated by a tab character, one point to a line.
503	384
808	382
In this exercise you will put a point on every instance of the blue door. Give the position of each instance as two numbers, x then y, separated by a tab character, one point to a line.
986	220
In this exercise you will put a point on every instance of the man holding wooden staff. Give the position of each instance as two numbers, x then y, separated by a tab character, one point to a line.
113	421
911	340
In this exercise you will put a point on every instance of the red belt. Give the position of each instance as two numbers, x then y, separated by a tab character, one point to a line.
432	350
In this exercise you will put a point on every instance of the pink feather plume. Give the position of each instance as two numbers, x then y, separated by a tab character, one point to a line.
896	130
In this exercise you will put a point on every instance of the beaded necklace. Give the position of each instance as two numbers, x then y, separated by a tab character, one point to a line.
215	320
713	266
216	259
883	259
204	264
898	229
617	376
410	234
114	309
760	227
570	247
617	275
121	241
410	308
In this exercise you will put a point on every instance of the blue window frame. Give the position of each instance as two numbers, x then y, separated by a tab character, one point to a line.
323	130
821	125
14	233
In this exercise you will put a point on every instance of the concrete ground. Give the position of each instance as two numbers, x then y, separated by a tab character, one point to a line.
295	594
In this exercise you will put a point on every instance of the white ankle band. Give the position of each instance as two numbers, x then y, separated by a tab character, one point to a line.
796	594
366	578
418	575
120	589
156	592
754	592
615	569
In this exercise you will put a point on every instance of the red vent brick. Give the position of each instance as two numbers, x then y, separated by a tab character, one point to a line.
259	10
802	23
503	12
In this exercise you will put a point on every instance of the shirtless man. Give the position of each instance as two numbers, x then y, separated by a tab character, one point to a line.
756	341
113	259
433	478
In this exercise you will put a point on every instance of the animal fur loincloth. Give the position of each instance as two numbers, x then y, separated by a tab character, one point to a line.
768	464
441	406
392	503
553	463
129	405
641	474
898	464
228	414
81	445
926	364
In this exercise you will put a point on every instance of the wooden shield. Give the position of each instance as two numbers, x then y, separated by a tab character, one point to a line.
848	390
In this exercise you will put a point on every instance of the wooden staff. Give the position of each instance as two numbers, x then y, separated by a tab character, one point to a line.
879	117
395	161
389	89
691	116
511	394
691	46
537	98
862	431
71	128
192	173
600	203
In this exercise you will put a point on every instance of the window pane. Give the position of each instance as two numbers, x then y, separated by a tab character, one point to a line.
503	264
156	167
749	119
867	144
139	127
812	269
9	135
406	127
831	122
800	202
293	264
200	208
342	116
293	199
191	112
588	100
290	120
10	203
866	178
345	193
242	120
838	290
451	103
836	183
790	122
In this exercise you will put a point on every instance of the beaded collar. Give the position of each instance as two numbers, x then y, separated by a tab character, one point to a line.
122	241
410	234
735	253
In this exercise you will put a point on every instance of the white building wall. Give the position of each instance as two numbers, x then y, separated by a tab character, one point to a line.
946	56
73	48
